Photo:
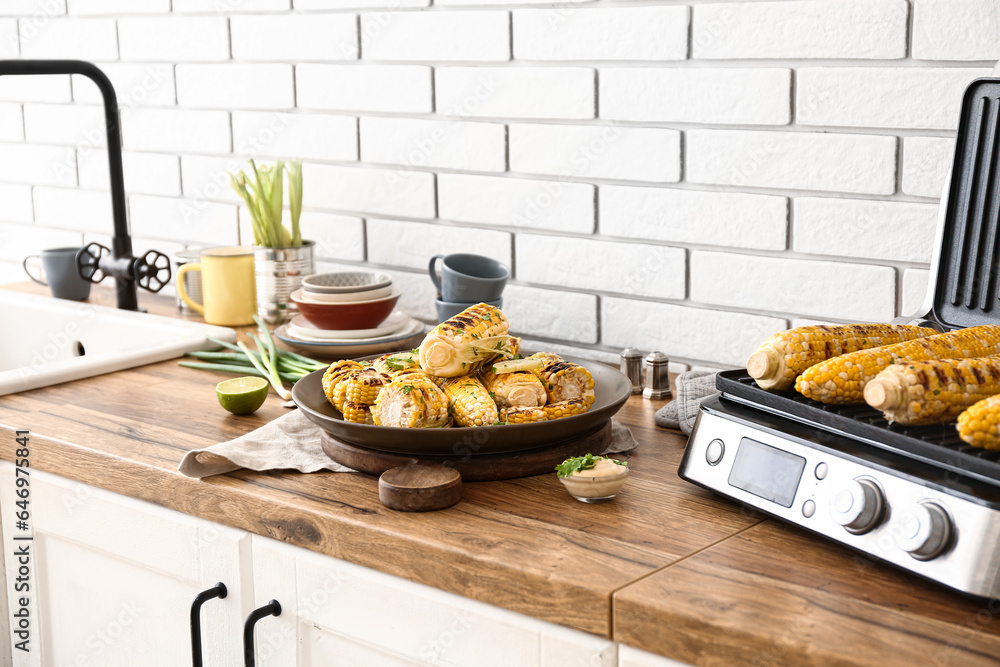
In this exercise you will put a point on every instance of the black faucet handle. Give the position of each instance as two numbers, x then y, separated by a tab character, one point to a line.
88	262
152	270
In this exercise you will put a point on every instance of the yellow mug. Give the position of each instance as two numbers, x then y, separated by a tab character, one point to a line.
227	286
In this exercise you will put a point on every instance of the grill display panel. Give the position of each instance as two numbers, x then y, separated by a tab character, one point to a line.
767	472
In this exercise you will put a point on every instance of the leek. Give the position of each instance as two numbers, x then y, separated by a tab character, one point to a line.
262	190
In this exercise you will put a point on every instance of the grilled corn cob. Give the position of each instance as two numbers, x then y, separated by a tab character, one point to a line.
469	402
462	344
332	377
567	408
513	347
929	392
412	401
520	389
978	425
361	386
785	355
359	413
389	364
564	379
843	379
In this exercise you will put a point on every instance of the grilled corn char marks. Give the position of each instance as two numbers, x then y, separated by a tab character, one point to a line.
450	378
930	392
843	379
785	355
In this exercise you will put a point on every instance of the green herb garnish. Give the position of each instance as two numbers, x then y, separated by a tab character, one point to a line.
577	463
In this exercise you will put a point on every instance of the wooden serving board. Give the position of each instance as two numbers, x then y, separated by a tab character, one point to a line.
472	467
424	483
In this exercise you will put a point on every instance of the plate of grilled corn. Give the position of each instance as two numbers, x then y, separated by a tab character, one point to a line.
467	389
914	376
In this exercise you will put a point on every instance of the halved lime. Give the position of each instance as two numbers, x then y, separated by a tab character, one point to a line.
512	365
241	396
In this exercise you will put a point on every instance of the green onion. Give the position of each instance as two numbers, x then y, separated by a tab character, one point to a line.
262	190
231	368
267	361
269	372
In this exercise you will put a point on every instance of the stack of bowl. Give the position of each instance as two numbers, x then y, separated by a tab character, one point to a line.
465	281
349	313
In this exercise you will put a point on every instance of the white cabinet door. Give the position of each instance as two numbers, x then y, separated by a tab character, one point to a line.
5	657
334	612
113	578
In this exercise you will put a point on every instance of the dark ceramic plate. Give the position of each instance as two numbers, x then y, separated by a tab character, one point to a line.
610	386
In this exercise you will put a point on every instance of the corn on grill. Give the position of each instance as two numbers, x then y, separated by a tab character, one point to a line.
915	496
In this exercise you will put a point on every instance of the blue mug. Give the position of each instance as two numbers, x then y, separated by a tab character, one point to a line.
468	278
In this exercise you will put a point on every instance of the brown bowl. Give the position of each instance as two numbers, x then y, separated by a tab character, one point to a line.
347	315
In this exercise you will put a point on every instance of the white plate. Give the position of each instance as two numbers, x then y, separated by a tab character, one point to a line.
346	297
300	295
355	348
413	327
300	327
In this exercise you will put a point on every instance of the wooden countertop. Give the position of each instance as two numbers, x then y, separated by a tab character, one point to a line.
666	567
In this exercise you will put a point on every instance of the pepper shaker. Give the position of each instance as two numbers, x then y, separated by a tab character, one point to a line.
657	376
632	368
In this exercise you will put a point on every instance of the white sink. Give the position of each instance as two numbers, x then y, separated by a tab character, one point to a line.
45	341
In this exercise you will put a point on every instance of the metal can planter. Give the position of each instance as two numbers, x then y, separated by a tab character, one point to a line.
279	273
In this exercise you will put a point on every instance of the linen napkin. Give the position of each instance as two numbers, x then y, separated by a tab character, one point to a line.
693	389
293	442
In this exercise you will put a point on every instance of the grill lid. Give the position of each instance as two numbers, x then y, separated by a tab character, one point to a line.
966	286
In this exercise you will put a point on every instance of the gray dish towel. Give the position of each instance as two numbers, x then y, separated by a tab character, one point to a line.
293	442
693	389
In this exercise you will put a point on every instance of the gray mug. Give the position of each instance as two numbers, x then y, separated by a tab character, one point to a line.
468	278
63	278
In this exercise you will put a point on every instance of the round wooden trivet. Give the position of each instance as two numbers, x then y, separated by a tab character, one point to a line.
472	467
420	488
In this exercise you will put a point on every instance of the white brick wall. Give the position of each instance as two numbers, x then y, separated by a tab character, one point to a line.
654	33
440	36
926	165
895	231
806	287
956	29
596	151
451	144
747	96
801	29
389	88
174	38
519	92
515	202
235	86
797	160
686	175
897	97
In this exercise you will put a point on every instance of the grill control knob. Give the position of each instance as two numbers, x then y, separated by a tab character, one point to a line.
858	506
924	531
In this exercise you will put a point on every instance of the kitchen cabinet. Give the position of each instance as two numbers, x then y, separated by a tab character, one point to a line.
5	657
113	579
338	609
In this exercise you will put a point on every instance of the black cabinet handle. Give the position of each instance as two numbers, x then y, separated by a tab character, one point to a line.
272	608
217	591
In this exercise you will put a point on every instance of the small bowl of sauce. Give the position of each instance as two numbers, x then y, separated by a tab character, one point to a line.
592	479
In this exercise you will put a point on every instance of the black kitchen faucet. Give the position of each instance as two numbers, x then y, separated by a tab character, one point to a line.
95	261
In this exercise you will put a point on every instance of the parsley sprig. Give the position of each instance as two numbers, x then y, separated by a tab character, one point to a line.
577	463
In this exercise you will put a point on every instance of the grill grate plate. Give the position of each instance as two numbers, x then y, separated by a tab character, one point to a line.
937	445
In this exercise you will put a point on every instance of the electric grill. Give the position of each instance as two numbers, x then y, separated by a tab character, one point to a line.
917	497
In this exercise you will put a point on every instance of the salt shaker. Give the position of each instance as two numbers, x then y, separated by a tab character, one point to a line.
632	368
657	376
